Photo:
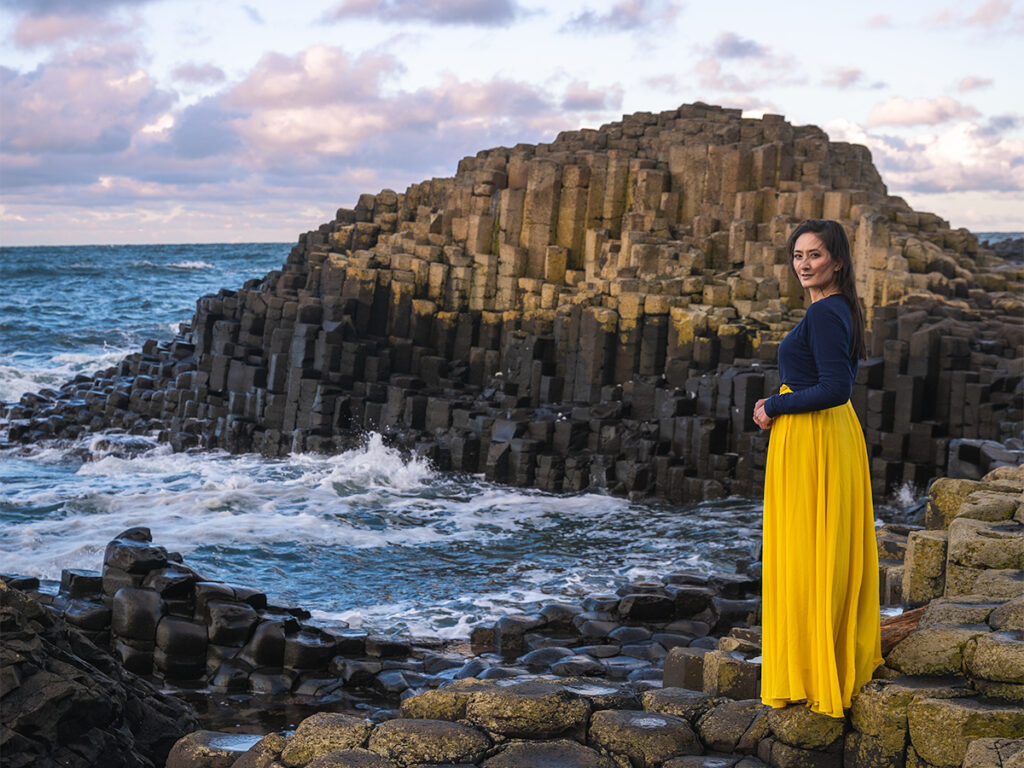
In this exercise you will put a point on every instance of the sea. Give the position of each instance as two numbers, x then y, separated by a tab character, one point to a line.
368	537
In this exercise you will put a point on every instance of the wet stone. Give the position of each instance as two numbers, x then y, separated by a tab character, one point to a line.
649	651
80	583
387	647
136	613
689	705
598	651
88	615
545	657
172	582
266	646
577	666
415	742
647	607
323	733
646	739
308	649
624	635
551	754
621	667
271	681
600	603
229	623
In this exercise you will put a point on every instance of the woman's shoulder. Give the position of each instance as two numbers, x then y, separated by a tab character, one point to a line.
831	307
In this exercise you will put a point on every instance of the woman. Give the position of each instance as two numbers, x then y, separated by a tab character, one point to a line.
820	580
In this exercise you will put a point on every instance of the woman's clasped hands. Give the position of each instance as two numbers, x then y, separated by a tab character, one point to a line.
762	419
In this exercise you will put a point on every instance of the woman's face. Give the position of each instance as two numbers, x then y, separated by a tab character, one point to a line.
813	264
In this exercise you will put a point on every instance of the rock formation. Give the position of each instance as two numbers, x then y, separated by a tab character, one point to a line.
64	702
601	311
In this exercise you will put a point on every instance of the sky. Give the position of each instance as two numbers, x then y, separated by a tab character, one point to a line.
183	121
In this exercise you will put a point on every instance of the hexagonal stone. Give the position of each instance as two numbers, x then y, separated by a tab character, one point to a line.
647	607
924	567
136	613
942	729
997	656
533	709
545	657
438	704
349	758
549	754
411	742
727	673
322	733
935	650
989	505
647	739
980	544
734	726
798	726
879	709
577	666
689	705
862	749
965	609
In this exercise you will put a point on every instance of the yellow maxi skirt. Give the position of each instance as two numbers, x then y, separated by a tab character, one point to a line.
820	615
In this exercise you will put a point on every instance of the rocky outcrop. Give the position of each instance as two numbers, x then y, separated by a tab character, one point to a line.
64	702
601	311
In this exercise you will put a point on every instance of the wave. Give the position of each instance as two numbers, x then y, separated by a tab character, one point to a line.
192	265
20	376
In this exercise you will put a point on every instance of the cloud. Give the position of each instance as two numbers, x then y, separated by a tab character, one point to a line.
992	16
731	46
972	83
879	21
897	110
254	15
624	16
965	156
580	96
68	7
199	74
441	12
91	100
738	65
849	77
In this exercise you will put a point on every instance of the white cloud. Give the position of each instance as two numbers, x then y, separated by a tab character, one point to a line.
897	110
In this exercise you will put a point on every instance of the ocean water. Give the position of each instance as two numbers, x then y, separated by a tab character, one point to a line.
364	537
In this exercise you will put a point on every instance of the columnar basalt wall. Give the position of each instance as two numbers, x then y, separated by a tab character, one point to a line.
601	311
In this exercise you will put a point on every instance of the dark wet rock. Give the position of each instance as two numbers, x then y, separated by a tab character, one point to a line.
134	556
549	754
647	607
79	583
386	646
577	665
229	623
67	703
88	615
545	657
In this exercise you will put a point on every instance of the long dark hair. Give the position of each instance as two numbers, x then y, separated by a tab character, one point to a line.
833	237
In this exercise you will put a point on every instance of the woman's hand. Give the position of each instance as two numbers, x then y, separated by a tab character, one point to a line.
762	419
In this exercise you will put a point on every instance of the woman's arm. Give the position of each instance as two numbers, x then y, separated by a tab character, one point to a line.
829	334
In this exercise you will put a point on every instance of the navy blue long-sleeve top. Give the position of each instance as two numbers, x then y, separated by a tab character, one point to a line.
815	360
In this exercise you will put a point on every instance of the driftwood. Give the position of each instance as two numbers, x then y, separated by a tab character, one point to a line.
895	628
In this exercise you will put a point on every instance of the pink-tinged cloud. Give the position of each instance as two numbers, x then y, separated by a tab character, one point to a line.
34	31
92	99
879	21
581	96
844	78
625	15
199	74
972	83
897	110
738	65
966	156
439	12
992	15
317	76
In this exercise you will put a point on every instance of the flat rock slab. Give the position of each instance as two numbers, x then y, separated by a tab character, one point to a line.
322	733
735	726
350	758
994	753
532	709
549	754
681	702
647	739
413	742
942	729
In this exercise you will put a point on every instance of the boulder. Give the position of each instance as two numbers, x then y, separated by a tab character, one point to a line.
942	729
727	673
647	739
412	742
1010	615
322	733
548	754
